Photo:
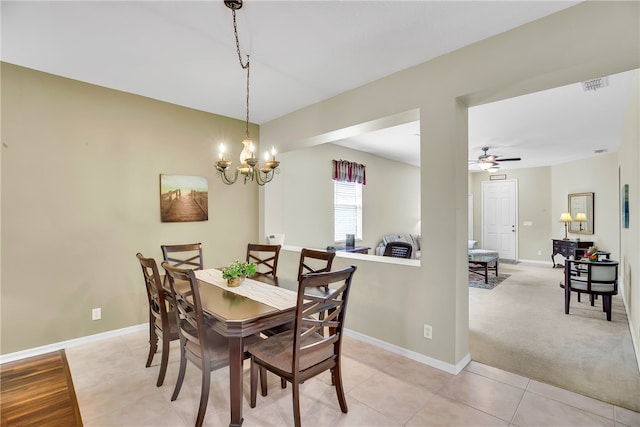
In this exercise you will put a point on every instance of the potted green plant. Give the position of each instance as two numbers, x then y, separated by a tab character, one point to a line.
237	271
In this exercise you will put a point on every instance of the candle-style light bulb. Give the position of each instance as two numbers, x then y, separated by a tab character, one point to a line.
273	153
266	155
221	151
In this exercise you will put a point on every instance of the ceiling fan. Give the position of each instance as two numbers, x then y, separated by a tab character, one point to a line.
490	162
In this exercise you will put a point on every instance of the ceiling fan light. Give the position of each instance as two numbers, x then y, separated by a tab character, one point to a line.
484	166
493	168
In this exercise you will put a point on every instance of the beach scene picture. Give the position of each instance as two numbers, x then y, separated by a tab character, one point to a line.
184	198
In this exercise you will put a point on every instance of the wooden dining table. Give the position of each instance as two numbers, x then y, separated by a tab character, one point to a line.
238	317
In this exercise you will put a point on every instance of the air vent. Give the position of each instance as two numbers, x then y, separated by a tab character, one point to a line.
595	84
600	151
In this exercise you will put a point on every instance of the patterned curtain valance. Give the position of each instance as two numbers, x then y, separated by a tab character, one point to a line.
349	172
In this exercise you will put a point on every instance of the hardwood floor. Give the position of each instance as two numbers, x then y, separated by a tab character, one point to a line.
38	391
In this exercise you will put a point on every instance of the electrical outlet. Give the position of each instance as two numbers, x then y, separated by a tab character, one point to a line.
427	331
96	314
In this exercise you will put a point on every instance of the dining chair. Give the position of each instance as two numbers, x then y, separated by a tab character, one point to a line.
311	261
199	343
596	278
578	269
304	352
162	321
398	250
265	257
314	261
184	256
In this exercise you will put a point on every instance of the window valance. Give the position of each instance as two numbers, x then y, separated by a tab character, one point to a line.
345	171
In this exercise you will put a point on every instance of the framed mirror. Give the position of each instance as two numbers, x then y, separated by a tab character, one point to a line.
581	210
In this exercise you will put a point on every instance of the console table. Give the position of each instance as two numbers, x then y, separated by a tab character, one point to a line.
566	248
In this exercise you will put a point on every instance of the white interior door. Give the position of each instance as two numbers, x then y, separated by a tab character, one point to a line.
500	217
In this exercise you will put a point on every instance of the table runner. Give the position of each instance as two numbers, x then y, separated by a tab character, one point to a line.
273	296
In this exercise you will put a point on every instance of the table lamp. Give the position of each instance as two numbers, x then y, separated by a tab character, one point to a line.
581	217
566	218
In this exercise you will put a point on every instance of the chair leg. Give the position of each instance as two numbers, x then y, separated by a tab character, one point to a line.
606	301
183	367
204	394
295	386
153	344
253	375
579	294
164	361
567	299
263	381
337	379
283	383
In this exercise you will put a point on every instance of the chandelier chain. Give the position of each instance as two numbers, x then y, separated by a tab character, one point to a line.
243	65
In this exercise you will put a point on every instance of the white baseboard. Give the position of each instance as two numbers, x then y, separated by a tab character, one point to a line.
434	363
535	261
634	342
10	357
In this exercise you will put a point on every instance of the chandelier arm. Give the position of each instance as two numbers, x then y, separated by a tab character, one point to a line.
264	177
259	179
226	179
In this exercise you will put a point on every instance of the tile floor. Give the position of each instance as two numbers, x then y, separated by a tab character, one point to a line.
383	389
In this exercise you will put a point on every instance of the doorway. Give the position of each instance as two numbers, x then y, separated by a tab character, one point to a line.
500	217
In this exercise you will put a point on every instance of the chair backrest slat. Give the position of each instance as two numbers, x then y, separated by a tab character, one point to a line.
185	255
155	292
314	261
265	257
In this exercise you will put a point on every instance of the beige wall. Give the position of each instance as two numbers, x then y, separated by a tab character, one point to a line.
629	161
391	198
600	176
80	197
546	53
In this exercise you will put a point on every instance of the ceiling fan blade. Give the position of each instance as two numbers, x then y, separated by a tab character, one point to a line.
512	159
486	158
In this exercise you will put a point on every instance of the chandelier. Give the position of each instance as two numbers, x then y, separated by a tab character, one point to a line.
249	167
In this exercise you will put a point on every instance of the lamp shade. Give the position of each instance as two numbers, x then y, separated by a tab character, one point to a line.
565	217
580	216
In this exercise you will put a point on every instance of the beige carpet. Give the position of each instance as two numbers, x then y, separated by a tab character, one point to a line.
520	326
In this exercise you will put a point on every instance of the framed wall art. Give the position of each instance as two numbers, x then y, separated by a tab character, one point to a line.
184	198
625	206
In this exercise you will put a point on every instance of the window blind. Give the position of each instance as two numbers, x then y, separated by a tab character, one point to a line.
347	210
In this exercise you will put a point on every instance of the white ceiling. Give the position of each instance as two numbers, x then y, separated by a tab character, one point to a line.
543	128
302	52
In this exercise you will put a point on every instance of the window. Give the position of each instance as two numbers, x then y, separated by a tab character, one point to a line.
347	210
